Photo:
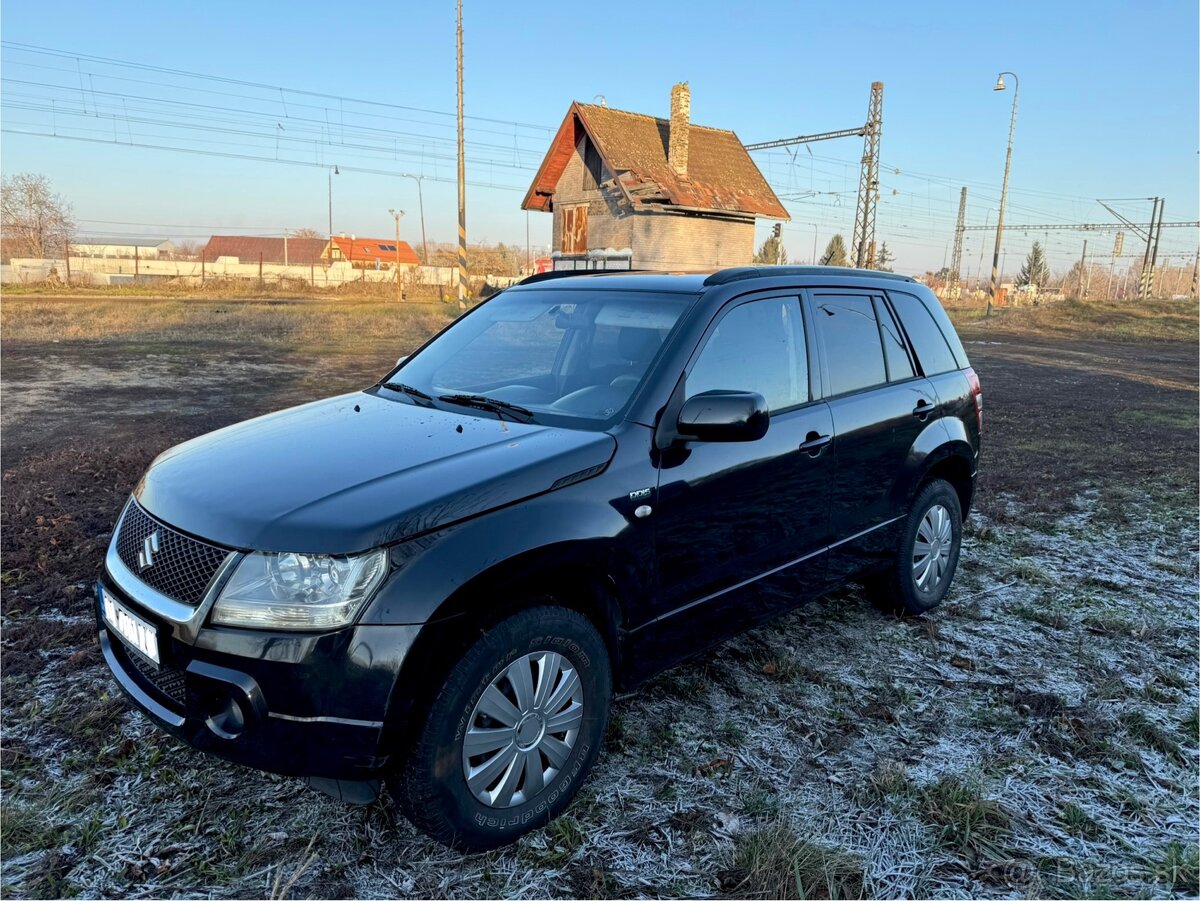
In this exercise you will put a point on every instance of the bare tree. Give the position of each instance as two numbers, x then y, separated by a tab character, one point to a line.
308	233
34	221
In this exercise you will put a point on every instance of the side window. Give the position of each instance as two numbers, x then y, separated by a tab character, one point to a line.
899	366
849	334
927	339
758	346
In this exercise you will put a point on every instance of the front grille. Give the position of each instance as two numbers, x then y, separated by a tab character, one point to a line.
183	567
166	680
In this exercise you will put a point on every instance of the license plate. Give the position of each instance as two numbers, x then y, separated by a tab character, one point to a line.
133	629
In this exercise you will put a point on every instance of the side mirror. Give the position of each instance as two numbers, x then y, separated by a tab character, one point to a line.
724	416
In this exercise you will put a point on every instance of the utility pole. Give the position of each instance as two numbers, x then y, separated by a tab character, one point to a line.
396	214
1118	246
285	256
986	220
332	172
959	229
862	252
1144	279
462	176
421	206
1162	204
1012	127
1195	274
1082	289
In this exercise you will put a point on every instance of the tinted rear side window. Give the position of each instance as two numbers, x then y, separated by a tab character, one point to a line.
932	348
849	336
898	364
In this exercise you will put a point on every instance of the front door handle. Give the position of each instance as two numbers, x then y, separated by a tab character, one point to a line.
813	442
922	409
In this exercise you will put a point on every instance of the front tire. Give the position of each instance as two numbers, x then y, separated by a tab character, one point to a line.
512	734
927	558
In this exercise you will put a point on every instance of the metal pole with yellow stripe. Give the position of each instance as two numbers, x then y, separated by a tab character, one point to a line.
463	287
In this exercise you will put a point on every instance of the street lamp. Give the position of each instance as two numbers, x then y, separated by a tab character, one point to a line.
396	214
1012	125
332	172
421	201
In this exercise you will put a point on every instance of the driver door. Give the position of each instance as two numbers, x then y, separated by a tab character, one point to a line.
741	527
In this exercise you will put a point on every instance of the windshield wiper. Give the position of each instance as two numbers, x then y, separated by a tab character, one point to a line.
481	402
414	393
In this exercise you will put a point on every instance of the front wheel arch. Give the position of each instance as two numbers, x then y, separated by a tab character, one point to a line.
527	581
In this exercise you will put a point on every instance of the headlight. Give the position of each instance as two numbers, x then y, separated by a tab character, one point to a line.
299	591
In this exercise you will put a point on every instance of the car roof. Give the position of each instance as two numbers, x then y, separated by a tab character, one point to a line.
698	283
615	280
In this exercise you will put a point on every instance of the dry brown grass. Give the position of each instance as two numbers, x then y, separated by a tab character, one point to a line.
1150	320
330	324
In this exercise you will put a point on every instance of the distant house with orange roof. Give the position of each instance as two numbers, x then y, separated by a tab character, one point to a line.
370	253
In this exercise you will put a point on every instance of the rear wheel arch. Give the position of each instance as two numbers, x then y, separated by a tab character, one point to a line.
952	464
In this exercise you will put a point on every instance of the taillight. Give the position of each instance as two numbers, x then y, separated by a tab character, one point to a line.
977	395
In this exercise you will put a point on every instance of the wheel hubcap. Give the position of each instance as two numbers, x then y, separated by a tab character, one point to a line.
931	550
522	729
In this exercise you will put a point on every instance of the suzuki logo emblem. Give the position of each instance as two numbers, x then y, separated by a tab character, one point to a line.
149	549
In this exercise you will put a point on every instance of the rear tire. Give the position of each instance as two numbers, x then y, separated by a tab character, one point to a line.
927	557
532	696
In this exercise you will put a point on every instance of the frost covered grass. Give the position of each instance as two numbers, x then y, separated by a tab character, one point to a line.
1038	735
985	749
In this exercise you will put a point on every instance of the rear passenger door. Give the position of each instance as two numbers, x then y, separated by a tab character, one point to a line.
879	405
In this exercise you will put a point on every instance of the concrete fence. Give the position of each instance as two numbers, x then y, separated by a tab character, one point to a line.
99	271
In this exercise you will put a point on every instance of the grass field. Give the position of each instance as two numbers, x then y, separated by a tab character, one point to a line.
1039	734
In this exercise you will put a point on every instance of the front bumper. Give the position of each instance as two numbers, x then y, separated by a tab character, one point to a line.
300	704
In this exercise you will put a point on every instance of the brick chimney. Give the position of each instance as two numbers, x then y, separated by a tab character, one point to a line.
677	140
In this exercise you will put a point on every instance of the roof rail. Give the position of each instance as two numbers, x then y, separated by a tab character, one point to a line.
565	273
738	273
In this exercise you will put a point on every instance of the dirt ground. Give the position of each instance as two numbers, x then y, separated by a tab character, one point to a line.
1037	735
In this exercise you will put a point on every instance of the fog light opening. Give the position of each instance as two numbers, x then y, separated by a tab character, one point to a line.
227	720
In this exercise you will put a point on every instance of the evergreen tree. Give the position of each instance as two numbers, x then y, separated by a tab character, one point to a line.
1035	271
883	258
771	252
835	252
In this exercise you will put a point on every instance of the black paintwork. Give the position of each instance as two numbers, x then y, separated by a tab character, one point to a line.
480	512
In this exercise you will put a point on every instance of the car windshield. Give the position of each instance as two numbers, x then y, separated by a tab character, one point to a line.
560	357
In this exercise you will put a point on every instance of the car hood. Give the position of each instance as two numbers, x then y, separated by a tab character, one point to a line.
356	471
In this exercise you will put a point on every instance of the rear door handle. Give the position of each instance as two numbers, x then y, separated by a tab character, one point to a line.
814	442
923	408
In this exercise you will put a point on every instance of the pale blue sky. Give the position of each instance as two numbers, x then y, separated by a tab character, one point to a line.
1108	108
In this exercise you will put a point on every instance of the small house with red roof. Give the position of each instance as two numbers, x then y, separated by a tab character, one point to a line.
251	249
630	191
370	253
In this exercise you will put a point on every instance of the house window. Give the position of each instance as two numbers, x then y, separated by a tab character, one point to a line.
574	230
593	168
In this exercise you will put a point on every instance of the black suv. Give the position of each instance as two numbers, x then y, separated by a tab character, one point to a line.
440	580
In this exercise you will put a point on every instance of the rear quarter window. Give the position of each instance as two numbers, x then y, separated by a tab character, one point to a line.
930	334
849	334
